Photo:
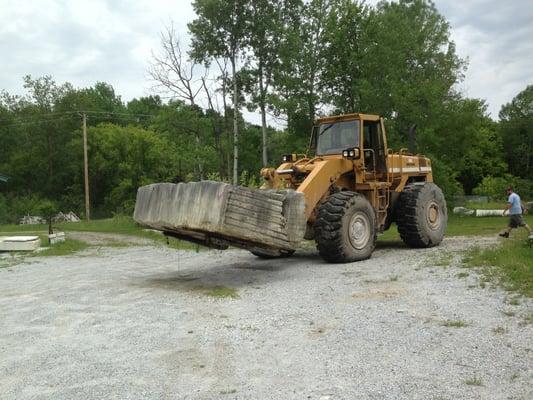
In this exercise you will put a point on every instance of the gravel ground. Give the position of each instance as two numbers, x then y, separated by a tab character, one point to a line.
139	323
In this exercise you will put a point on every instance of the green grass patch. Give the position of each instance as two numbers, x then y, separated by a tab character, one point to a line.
68	247
122	225
454	324
220	292
499	330
475	381
510	264
443	259
462	226
489	205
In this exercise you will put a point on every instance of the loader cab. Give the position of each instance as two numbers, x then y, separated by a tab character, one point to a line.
333	135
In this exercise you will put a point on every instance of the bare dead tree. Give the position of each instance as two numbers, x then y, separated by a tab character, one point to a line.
173	73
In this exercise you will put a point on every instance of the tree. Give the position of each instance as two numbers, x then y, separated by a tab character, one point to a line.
346	38
124	158
219	31
409	66
297	79
516	126
265	30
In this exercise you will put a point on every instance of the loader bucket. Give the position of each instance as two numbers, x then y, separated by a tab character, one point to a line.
217	214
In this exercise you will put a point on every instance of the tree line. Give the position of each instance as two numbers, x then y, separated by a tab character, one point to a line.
291	60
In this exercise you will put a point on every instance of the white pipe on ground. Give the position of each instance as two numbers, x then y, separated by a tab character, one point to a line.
489	213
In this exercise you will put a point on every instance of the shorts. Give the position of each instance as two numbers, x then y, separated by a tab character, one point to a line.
516	220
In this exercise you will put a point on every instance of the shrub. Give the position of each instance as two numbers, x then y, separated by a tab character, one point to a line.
495	187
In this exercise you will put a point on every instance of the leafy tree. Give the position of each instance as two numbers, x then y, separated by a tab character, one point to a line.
297	79
346	37
516	125
219	31
409	65
122	159
267	19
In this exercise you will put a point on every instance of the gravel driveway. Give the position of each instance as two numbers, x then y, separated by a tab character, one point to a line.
141	323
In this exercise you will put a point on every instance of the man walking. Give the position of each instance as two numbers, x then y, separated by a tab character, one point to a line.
514	206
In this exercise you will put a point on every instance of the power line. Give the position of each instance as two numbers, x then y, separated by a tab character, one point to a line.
73	113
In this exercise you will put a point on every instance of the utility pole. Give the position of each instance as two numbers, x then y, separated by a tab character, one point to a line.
86	169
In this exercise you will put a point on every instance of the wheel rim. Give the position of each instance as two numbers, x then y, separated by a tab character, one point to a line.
359	230
433	215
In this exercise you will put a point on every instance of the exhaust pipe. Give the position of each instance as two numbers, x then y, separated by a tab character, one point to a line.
411	138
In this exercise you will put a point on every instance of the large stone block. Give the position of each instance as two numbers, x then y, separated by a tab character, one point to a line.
234	214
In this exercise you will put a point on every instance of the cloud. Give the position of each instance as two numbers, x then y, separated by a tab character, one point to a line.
111	40
85	42
496	37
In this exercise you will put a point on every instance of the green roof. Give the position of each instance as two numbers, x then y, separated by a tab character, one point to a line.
4	178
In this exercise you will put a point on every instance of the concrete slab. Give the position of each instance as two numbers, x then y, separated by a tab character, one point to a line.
19	243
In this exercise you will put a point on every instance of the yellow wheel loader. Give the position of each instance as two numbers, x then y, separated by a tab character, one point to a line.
351	189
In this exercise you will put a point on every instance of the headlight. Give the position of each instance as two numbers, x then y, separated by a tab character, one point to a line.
287	158
351	154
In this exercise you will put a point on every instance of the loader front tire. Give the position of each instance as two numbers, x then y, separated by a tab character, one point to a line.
345	228
422	216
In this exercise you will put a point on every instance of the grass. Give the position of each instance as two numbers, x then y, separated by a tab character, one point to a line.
68	247
463	226
490	205
454	324
514	301
499	330
443	259
510	264
475	381
122	225
463	274
508	313
220	292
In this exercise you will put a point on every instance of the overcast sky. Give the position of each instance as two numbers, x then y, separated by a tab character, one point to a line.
83	42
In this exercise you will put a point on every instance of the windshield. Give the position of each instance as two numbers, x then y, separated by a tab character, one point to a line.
335	137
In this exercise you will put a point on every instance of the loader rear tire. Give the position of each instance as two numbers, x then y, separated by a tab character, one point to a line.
345	228
268	255
422	216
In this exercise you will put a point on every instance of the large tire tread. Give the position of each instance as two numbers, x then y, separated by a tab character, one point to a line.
329	229
411	224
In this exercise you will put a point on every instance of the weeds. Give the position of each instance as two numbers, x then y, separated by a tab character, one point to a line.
499	330
68	247
510	264
475	381
508	313
454	324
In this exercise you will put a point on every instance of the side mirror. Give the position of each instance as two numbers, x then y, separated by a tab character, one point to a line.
352	154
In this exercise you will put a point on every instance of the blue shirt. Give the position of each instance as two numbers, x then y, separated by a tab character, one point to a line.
516	206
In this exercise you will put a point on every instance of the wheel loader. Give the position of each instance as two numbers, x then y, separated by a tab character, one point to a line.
348	188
